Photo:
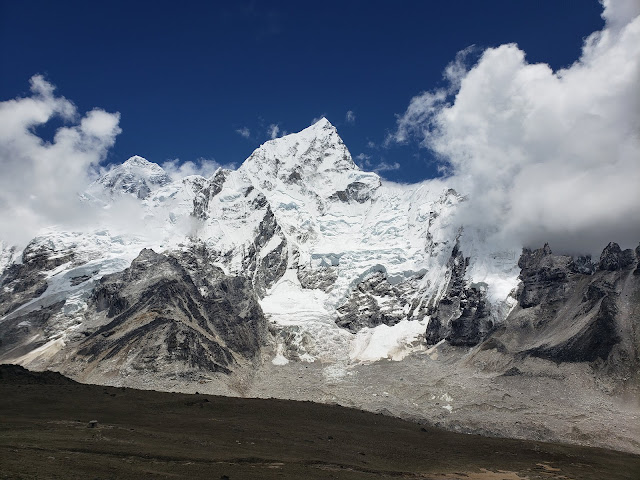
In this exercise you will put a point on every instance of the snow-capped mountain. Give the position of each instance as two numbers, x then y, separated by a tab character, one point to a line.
137	176
300	275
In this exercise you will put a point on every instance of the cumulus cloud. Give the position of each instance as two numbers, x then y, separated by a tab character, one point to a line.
40	180
543	155
244	132
273	131
350	117
617	13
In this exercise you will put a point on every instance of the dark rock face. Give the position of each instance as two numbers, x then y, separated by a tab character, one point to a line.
23	282
614	258
294	177
321	278
210	189
544	276
583	264
569	312
373	302
81	279
595	340
474	322
356	191
17	331
176	309
462	316
268	268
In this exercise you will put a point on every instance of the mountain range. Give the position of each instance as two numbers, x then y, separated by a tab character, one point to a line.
301	276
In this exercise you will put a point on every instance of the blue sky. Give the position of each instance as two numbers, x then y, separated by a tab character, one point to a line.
187	76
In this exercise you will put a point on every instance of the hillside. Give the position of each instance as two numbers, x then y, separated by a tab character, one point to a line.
45	433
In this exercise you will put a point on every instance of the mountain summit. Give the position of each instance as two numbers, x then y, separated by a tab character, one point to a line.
136	176
316	155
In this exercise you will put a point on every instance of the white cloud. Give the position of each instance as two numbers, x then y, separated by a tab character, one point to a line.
457	69
202	166
40	181
419	116
363	160
273	131
618	12
386	167
544	155
244	132
350	117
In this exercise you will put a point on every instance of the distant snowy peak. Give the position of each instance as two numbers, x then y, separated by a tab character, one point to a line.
142	163
137	176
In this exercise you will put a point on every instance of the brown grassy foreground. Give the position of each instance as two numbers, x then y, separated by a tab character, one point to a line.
44	433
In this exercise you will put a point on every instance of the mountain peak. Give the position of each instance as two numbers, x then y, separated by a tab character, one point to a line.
312	151
137	161
136	176
320	129
323	123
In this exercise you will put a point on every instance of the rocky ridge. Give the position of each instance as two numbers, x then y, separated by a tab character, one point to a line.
572	310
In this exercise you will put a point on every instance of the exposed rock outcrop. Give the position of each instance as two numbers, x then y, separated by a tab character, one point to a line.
544	277
614	258
462	316
374	301
356	191
210	189
175	311
569	313
23	282
321	278
266	265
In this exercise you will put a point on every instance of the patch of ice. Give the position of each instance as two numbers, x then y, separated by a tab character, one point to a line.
309	324
279	359
384	342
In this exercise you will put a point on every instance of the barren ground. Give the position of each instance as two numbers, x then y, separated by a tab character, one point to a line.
44	433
